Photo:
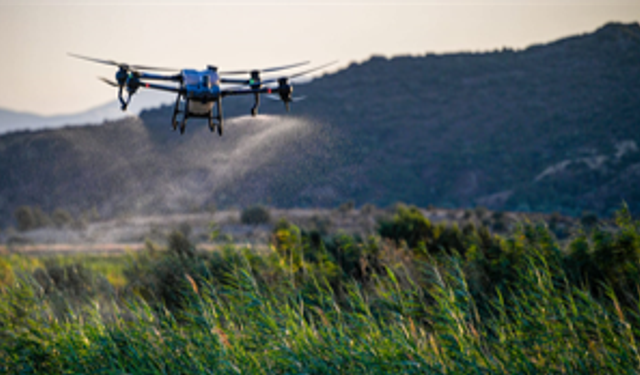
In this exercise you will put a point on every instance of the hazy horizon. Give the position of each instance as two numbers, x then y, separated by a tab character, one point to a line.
38	76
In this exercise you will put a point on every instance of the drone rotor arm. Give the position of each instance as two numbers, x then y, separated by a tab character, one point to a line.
159	77
244	91
234	81
156	86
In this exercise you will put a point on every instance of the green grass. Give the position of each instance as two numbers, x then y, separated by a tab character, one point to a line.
246	329
416	311
110	266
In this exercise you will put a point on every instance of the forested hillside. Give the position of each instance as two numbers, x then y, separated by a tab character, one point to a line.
553	127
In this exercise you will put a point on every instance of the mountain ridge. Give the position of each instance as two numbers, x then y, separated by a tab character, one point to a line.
16	121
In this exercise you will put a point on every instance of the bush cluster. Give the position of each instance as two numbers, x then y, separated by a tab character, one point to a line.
596	257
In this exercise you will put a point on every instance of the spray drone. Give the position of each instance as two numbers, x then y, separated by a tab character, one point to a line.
199	91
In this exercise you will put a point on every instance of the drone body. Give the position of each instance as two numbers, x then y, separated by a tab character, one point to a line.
199	93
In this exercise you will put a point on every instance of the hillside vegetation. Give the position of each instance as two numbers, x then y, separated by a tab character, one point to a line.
550	128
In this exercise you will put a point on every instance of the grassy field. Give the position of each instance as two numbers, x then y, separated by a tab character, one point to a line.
413	298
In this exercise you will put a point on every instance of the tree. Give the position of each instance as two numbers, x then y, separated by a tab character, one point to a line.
40	217
24	218
61	218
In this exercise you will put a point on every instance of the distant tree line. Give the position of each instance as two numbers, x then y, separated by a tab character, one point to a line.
29	218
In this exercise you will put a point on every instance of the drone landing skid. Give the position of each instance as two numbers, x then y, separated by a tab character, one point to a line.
213	123
124	103
254	109
176	110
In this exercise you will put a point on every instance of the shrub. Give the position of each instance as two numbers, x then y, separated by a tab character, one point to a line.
589	219
286	241
408	225
356	258
179	244
255	215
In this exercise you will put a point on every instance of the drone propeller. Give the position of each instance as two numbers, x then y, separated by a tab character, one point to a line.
108	82
255	81
122	65
285	89
298	98
299	73
266	70
312	70
293	99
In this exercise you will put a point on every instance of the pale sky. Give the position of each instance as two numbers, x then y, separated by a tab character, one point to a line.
36	75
